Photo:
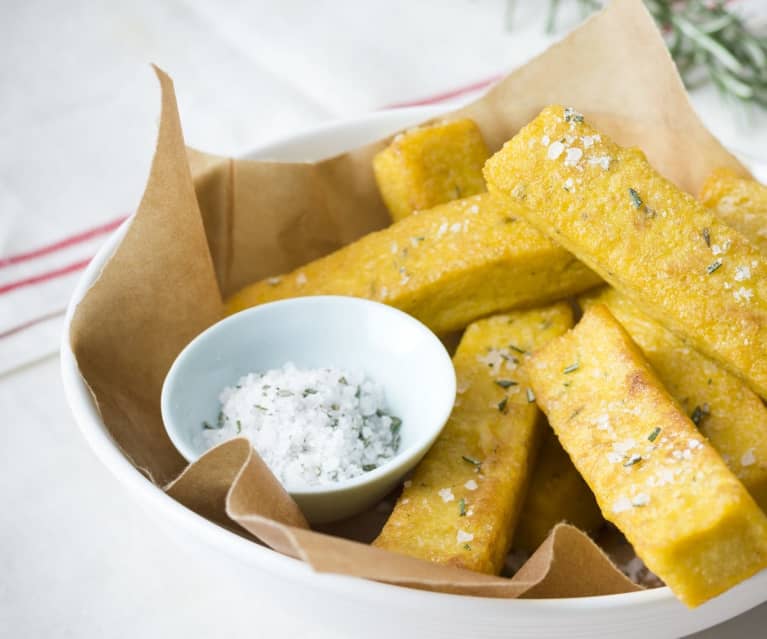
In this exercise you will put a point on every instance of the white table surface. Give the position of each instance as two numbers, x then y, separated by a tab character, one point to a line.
78	112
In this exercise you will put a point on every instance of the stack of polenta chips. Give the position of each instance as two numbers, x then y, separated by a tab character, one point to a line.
653	398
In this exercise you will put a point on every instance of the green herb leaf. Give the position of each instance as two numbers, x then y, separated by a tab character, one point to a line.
635	199
714	266
502	404
369	467
466	547
706	236
519	350
462	507
471	460
572	368
309	391
634	459
699	413
207	426
654	434
505	383
239	427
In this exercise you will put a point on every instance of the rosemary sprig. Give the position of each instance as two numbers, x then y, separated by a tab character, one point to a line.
708	41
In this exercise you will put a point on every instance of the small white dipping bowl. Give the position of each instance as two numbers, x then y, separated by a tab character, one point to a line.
389	346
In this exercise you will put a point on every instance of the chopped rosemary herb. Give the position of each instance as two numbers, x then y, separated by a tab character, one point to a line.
309	391
634	459
396	422
239	427
635	199
466	547
502	404
342	380
220	419
462	507
367	467
714	266
530	396
259	407
207	426
519	350
505	383
572	368
471	460
698	414
654	434
706	236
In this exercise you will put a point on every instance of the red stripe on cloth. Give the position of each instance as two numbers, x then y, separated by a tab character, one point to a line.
62	244
447	95
44	277
33	322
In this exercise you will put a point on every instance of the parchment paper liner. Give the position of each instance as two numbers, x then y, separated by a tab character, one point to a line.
207	225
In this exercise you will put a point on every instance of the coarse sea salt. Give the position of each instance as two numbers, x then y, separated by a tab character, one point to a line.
310	426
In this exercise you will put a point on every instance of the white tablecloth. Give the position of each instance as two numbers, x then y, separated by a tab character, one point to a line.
78	113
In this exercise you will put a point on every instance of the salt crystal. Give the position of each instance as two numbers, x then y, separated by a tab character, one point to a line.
742	273
300	279
446	494
545	140
573	155
600	160
621	505
614	458
471	485
642	499
394	247
748	459
743	294
555	150
463	537
442	229
456	228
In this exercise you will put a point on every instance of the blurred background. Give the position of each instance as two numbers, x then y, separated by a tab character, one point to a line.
78	115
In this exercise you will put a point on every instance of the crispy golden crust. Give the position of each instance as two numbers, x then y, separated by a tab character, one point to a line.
727	412
739	202
556	493
654	476
481	463
447	267
652	242
431	165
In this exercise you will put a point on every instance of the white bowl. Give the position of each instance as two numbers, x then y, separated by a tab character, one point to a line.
391	347
348	604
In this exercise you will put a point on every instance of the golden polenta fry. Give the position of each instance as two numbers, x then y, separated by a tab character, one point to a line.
657	245
447	267
556	493
430	165
461	505
654	476
726	411
739	202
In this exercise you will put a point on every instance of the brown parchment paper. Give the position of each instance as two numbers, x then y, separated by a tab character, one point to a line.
207	225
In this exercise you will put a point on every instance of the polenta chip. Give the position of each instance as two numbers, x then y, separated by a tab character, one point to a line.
657	245
461	505
654	476
430	165
447	267
557	493
724	409
739	202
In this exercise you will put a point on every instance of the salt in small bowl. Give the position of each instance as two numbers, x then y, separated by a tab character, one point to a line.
392	348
